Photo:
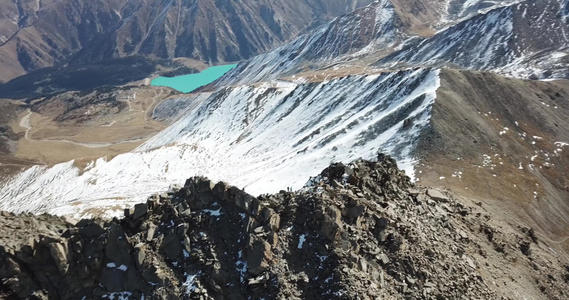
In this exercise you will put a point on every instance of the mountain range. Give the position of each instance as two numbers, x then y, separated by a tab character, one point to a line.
45	33
525	39
470	96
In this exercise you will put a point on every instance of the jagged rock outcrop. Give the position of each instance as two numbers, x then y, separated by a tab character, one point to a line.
357	231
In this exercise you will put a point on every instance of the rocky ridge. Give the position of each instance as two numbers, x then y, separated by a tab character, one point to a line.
357	231
521	39
525	40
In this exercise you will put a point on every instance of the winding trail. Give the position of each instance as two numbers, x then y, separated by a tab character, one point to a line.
562	241
152	106
95	145
25	122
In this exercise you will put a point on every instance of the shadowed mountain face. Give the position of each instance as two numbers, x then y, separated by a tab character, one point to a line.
37	34
47	82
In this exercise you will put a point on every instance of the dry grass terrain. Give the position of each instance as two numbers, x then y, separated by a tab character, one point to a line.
192	63
64	128
500	141
333	72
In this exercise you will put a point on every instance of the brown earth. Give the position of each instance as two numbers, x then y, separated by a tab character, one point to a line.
9	138
419	17
81	126
519	172
333	72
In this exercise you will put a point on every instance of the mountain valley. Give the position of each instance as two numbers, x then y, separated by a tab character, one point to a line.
46	33
469	98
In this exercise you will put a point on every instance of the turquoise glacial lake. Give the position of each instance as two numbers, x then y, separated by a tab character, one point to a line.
190	82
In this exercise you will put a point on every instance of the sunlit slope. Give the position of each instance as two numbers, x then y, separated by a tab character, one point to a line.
263	138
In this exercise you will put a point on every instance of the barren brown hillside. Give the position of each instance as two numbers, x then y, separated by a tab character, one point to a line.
77	125
504	142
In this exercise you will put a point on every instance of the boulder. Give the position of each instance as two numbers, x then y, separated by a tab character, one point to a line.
356	211
187	244
205	185
414	192
259	255
330	228
331	223
273	239
91	230
245	202
140	256
220	191
153	201
382	223
334	213
59	254
171	246
128	212
113	280
151	233
336	184
270	218
118	248
186	213
334	171
436	195
140	210
173	189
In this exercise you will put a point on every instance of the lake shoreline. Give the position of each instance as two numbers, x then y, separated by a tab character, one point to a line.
190	82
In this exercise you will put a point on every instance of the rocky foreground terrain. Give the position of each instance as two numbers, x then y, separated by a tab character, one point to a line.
357	231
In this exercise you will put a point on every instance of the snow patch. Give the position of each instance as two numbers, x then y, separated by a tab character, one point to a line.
301	240
215	213
190	283
118	296
113	265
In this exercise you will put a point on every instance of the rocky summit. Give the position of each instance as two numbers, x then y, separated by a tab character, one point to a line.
356	231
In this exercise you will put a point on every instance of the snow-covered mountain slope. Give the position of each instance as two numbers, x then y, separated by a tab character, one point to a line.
373	31
423	17
460	9
352	34
264	138
512	40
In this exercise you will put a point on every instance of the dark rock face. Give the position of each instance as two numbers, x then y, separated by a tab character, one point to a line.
358	230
